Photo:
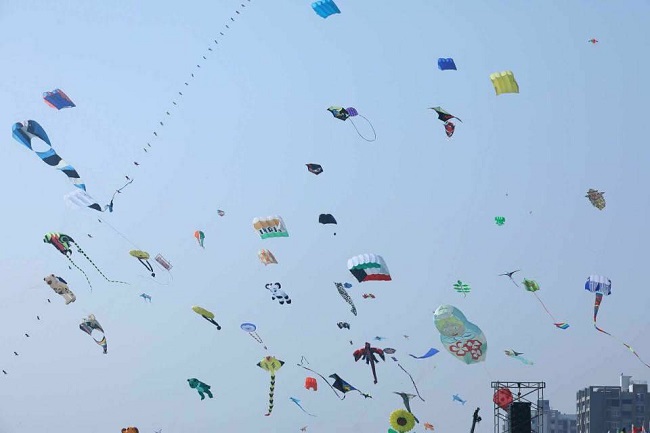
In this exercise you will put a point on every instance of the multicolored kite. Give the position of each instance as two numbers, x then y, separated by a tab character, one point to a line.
270	227
461	338
369	267
346	113
58	99
272	365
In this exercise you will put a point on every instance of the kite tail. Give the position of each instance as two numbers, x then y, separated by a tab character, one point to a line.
412	381
271	392
80	270
599	298
371	127
147	265
96	268
322	377
374	372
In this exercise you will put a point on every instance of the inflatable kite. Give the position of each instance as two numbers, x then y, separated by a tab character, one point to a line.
311	383
346	113
60	287
90	324
267	257
57	99
314	168
602	286
200	236
346	296
207	315
62	243
504	82
596	198
270	364
270	227
278	293
446	64
367	353
462	339
325	8
532	286
369	267
143	257
201	388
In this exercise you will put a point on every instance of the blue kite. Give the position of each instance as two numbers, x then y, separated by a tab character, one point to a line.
58	99
325	8
446	64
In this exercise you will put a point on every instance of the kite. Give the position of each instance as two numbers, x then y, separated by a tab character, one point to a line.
80	198
516	355
345	295
461	338
201	388
311	383
326	218
303	428
270	227
446	64
532	286
339	384
344	386
446	117
314	168
325	8
596	198
267	257
460	287
429	354
251	328
457	398
602	286
145	297
60	287
62	243
367	353
207	315
504	82
368	295
428	426
342	325
369	267
593	41
401	421
379	338
503	398
347	113
220	212
295	400
272	365
278	293
132	430
509	275
143	257
58	99
389	350
406	398
200	236
90	324
163	262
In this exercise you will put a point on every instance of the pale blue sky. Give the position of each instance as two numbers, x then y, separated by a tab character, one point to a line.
238	141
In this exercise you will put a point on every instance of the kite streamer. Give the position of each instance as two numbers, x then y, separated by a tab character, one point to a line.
412	381
602	286
345	295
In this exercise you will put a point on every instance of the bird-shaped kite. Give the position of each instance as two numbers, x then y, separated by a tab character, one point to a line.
367	353
509	275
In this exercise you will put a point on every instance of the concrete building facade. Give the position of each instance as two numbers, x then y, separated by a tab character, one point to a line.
603	409
553	421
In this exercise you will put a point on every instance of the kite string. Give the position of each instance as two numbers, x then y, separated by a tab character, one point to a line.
322	377
544	306
412	381
371	127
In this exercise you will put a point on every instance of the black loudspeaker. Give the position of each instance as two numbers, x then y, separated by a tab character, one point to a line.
520	419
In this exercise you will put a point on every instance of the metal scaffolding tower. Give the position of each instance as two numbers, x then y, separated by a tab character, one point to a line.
524	392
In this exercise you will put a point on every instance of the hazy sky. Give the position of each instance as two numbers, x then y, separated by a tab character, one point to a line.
252	116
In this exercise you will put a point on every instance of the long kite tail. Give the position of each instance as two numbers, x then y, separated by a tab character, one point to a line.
80	270
599	298
371	127
271	392
96	268
322	377
412	381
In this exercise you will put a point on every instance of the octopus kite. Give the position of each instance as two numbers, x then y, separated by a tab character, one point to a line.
367	353
272	365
